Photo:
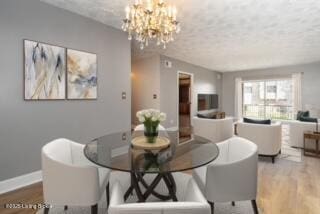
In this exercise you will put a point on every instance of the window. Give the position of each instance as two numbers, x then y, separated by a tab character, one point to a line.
268	99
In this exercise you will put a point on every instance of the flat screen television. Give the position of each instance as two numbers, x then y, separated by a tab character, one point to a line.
208	102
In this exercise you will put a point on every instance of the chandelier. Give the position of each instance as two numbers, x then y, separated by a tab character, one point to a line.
151	19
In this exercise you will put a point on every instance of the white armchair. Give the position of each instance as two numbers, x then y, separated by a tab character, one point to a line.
140	127
69	178
192	202
216	130
267	137
233	175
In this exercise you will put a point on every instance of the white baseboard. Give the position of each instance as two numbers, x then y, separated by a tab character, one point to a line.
20	181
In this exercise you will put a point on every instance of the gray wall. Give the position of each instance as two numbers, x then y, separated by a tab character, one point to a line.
25	126
310	83
145	83
205	81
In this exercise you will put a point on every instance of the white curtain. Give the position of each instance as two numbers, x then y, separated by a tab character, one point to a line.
296	89
238	98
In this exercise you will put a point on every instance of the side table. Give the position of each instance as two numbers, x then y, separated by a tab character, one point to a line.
312	136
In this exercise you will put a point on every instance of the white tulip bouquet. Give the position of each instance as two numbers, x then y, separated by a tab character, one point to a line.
151	119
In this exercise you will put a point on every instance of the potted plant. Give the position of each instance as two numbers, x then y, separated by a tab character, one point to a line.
151	119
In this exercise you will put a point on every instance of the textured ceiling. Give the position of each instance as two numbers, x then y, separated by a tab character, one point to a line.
227	35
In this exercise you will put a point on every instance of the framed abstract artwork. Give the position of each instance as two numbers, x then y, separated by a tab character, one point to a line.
44	71
81	75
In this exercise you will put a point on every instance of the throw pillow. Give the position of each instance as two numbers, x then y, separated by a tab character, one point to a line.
302	114
309	119
209	115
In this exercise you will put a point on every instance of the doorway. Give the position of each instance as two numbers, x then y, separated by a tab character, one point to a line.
185	105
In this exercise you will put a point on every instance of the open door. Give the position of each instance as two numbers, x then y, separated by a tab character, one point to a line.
185	98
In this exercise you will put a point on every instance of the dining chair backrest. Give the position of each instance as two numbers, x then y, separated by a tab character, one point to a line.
190	203
58	150
240	149
68	180
234	176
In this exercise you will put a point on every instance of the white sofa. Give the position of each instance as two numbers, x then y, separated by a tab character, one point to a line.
233	175
267	137
216	130
296	131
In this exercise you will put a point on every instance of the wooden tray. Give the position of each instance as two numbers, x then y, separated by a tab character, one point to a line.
142	143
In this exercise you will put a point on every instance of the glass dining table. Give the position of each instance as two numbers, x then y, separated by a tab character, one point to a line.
116	151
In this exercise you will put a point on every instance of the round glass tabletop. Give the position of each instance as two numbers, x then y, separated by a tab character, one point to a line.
115	151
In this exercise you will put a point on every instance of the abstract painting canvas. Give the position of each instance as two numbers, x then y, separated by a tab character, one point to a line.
82	75
44	71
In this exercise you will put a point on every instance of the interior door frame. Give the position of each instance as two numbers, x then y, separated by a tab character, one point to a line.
191	95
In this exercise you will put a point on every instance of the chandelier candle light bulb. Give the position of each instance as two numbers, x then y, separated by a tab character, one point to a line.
149	6
174	13
151	19
127	12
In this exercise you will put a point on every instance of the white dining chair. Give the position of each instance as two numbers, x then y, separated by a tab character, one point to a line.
140	127
233	175
190	198
69	179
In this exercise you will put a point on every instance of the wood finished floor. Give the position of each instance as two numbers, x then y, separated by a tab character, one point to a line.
285	187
